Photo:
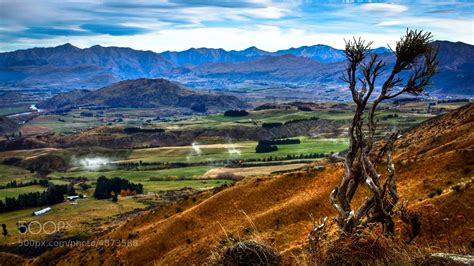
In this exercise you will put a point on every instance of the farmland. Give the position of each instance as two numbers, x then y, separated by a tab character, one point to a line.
203	165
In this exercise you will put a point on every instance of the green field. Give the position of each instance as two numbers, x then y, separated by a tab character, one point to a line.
239	150
14	192
14	110
73	121
11	173
281	116
138	174
177	178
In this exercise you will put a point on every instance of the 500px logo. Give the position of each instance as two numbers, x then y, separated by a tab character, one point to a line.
47	227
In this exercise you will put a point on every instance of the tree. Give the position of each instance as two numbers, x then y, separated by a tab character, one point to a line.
4	231
114	197
411	73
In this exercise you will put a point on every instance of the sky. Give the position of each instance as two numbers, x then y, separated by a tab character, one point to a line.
233	25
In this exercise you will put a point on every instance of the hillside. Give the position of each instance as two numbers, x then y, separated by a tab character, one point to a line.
278	209
144	93
456	68
8	126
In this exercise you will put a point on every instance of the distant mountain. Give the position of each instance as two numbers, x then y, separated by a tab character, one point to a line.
196	57
287	68
321	53
143	93
201	56
456	69
67	67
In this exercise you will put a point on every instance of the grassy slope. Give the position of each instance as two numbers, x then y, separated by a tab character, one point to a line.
280	207
14	109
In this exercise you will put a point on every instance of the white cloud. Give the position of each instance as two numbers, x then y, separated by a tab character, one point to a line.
442	28
383	7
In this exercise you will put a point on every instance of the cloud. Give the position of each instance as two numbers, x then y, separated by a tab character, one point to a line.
220	3
179	24
45	32
383	7
113	29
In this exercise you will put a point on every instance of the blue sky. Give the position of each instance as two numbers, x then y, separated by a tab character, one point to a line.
270	25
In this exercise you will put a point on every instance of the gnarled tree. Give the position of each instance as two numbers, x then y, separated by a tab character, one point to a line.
411	73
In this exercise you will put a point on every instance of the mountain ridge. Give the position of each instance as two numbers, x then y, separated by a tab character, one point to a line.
67	67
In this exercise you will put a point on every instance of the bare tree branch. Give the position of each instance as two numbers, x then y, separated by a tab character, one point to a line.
414	56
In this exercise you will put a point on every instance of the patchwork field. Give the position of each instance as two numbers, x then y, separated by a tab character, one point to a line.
80	119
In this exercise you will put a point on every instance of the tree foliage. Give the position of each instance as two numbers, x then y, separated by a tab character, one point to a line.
105	188
53	195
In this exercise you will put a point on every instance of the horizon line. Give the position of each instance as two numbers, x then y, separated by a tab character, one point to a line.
196	48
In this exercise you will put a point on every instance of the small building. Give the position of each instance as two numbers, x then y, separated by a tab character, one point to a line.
71	198
43	211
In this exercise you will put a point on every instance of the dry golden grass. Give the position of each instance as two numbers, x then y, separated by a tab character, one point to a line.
251	171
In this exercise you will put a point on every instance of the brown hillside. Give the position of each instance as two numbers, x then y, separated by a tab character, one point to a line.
438	155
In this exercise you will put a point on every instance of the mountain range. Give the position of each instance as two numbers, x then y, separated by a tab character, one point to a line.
67	67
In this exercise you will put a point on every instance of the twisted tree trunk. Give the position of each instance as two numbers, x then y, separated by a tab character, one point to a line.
414	55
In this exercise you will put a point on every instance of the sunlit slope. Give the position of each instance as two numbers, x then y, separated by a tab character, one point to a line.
437	156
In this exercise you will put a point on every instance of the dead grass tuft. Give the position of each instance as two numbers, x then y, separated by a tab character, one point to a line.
247	252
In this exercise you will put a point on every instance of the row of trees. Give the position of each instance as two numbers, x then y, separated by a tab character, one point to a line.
294	157
279	141
53	195
106	188
14	184
271	125
131	130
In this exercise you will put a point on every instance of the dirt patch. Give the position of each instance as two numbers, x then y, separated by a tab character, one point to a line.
251	171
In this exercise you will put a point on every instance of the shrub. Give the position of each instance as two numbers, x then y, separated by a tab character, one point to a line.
435	192
301	120
236	113
248	252
261	148
130	130
271	125
199	107
84	186
229	176
456	188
